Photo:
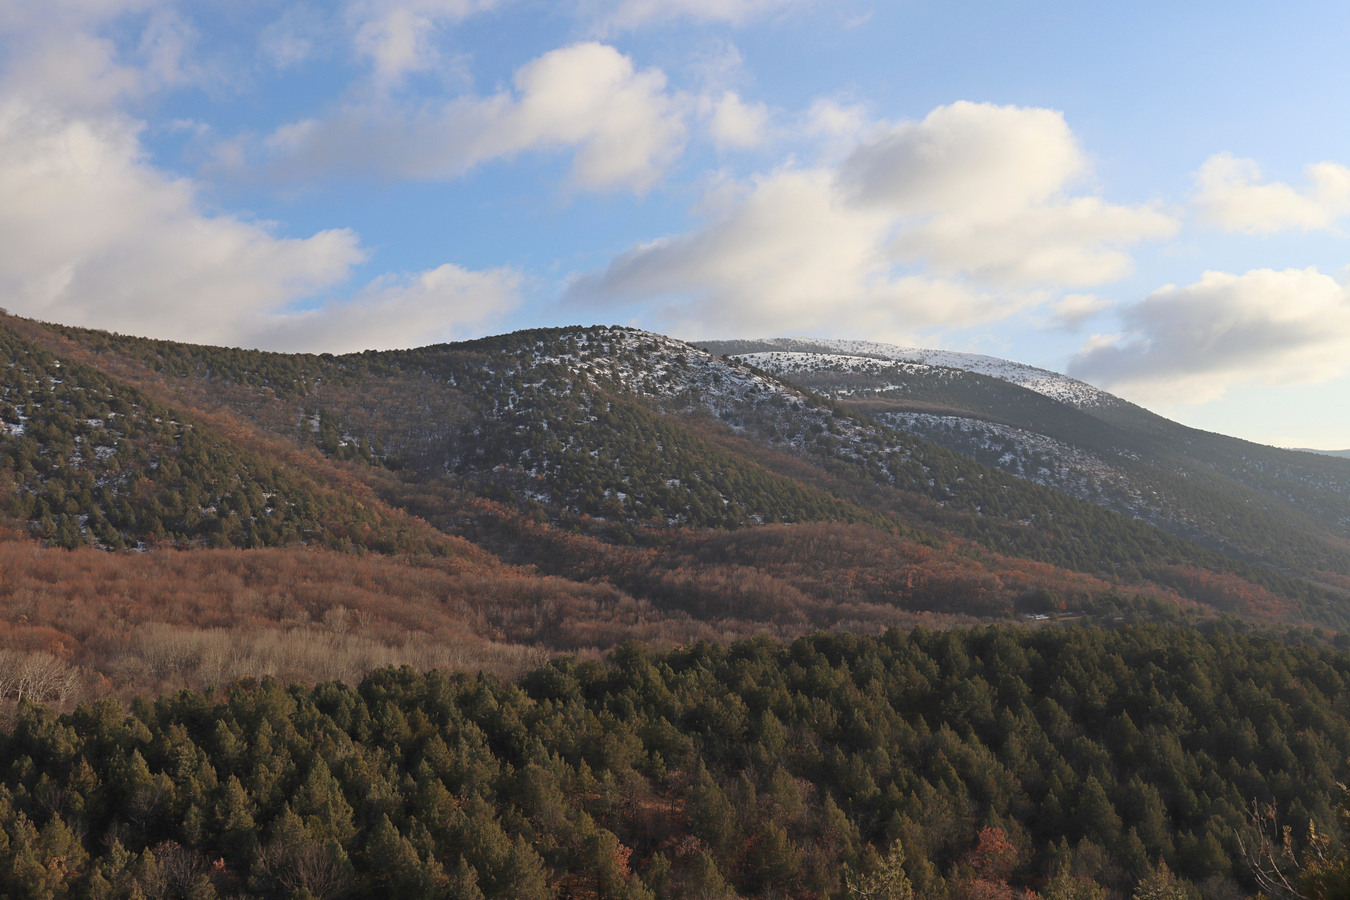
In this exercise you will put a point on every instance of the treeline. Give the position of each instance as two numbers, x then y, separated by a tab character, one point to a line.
961	764
289	375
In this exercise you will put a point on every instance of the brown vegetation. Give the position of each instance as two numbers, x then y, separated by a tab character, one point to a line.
82	620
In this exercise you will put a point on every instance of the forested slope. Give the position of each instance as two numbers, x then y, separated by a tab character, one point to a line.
969	763
1285	509
630	438
89	459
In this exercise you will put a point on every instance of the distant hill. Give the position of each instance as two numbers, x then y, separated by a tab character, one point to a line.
1341	453
1279	508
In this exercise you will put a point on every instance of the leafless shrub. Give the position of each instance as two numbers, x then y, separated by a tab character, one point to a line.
11	662
41	677
177	872
172	654
1268	850
339	619
298	864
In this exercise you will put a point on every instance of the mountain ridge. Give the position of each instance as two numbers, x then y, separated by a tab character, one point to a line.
1044	381
604	483
1110	437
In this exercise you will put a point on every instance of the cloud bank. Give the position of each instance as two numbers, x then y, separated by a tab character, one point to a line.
621	123
962	218
1192	343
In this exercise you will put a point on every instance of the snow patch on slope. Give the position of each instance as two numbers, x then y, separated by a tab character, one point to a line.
813	353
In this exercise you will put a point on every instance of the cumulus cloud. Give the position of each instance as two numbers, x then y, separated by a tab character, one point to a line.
92	233
832	120
1071	312
959	219
967	159
622	124
1230	195
984	191
59	52
1192	343
794	253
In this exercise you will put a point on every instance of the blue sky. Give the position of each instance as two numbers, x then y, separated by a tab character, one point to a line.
1152	197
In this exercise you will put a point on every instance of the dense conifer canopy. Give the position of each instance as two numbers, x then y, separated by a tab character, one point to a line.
962	763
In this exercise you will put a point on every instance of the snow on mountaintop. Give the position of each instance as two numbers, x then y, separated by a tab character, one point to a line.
1042	381
661	366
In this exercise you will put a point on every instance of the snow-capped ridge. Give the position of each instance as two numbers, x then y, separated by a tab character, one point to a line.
1043	381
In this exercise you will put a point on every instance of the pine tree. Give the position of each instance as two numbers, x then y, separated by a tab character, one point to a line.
885	879
1162	884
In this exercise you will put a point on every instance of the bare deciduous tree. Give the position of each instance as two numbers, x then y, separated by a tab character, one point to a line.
41	677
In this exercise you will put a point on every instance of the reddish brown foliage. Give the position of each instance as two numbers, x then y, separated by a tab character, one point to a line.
1228	593
987	867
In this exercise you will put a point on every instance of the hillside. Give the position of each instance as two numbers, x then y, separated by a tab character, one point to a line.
569	489
1284	509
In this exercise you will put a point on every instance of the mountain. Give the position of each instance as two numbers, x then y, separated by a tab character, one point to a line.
572	488
1283	509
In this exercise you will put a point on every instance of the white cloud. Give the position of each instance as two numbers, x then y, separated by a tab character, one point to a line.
834	120
916	228
734	123
793	254
166	48
971	159
623	126
55	53
68	69
984	191
91	234
393	311
1077	242
398	36
1231	196
1190	344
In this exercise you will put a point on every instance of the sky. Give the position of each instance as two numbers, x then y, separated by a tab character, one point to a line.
1153	197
